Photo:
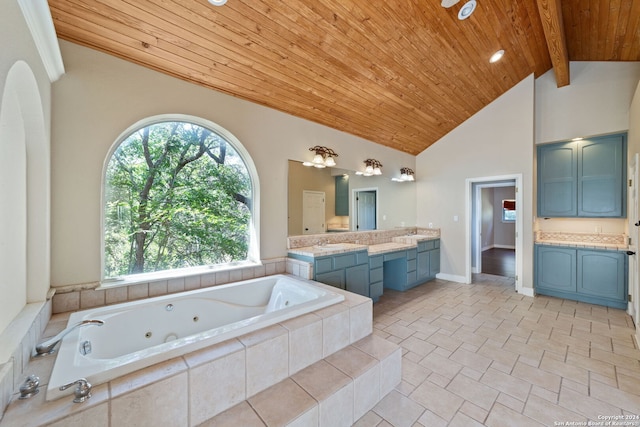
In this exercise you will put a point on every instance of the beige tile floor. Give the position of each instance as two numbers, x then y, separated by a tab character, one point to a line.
482	354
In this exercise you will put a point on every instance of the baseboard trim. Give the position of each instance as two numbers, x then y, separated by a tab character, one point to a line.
528	292
451	278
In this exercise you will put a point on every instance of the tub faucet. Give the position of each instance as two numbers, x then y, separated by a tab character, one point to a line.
47	347
82	391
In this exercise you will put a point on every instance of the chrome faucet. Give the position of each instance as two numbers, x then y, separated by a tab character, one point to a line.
47	347
82	391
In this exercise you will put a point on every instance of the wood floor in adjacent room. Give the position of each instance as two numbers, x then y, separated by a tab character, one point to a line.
482	354
498	261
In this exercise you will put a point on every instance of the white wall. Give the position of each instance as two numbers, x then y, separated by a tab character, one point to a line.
634	262
487	218
25	96
504	234
595	103
496	141
101	95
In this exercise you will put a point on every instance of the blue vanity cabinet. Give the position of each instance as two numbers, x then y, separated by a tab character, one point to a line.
557	179
428	260
412	274
583	178
375	277
588	275
601	177
349	271
603	275
555	269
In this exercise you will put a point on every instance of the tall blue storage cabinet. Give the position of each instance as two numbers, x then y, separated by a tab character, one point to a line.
583	178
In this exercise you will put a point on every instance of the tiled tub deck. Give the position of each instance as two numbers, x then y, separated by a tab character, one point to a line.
323	368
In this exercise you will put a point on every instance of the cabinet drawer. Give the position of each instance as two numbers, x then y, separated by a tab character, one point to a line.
411	254
411	265
343	261
323	265
362	257
376	274
422	246
395	255
375	261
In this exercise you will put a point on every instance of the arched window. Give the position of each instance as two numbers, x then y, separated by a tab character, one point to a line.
178	193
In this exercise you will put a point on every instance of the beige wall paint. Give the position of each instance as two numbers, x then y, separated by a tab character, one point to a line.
596	103
101	95
496	141
25	115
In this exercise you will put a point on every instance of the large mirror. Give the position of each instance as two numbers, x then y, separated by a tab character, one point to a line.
335	200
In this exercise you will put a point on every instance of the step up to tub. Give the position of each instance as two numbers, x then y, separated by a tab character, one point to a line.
336	391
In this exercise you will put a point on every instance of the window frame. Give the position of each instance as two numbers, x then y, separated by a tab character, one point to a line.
505	210
253	252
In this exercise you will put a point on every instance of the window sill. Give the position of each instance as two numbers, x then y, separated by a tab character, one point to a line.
159	276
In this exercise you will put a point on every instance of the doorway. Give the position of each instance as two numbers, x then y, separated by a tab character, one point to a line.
495	232
634	243
474	224
365	203
313	215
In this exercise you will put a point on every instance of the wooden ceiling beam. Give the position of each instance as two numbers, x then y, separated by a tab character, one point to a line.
551	17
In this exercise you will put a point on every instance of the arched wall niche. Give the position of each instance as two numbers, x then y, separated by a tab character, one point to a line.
24	194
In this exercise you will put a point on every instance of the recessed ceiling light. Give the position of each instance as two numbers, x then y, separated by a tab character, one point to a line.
496	56
467	9
217	2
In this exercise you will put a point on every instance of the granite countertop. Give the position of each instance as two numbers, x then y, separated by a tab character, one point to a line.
328	249
382	248
397	244
614	242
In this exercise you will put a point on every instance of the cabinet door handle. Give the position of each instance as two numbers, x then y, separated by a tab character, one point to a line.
630	253
637	224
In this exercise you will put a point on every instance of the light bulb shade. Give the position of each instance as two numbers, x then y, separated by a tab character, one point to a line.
318	159
377	171
329	162
404	177
217	2
368	170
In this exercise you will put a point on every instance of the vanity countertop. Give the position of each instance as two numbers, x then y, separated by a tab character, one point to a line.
327	249
382	248
616	242
397	244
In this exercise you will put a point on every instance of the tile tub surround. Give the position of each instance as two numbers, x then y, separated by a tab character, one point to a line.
583	240
366	238
18	340
90	295
333	392
191	389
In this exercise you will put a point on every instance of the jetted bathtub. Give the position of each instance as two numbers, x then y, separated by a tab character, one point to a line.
141	333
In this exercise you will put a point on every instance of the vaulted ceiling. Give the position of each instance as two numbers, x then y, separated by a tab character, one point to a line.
401	73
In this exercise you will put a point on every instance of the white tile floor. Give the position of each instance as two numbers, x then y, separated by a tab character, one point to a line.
482	354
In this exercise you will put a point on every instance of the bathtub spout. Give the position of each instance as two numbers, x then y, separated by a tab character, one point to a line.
47	347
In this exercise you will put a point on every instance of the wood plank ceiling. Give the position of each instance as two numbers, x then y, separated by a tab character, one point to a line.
401	73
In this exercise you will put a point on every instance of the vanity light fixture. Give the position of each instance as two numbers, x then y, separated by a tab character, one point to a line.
217	2
324	157
577	139
372	167
496	56
406	174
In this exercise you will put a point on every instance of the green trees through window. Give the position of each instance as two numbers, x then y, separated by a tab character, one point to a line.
176	195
